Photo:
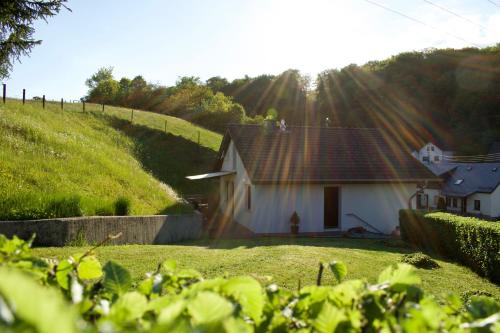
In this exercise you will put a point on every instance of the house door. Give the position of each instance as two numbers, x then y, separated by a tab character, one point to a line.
331	207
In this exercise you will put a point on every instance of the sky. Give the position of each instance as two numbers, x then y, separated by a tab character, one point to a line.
163	40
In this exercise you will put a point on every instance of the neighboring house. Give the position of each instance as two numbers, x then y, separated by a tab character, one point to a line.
473	188
430	153
334	178
467	188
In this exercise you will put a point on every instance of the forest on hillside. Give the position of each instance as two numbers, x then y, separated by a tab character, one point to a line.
448	96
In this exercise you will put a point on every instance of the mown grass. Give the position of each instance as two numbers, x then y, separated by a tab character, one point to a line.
51	157
285	260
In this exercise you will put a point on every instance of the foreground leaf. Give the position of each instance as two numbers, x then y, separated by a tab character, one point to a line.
43	308
208	307
116	278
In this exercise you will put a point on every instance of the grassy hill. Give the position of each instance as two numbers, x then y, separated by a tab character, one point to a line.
67	162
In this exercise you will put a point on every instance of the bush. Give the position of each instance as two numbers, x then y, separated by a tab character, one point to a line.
419	260
78	294
471	241
64	207
122	206
28	207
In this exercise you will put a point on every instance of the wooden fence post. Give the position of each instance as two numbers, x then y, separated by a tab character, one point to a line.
43	101
4	96
132	117
24	96
62	104
83	106
103	108
198	141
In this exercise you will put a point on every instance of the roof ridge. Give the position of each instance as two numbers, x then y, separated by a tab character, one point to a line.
306	126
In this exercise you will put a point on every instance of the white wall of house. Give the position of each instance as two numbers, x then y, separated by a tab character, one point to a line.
232	162
429	153
495	202
377	204
485	204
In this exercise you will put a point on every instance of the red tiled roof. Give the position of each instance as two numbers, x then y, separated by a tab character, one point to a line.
321	155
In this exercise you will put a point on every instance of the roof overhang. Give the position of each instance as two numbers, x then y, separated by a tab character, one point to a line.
211	175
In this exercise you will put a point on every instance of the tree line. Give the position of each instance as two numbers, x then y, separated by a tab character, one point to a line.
448	96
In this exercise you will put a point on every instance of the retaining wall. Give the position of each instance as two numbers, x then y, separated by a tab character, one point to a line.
154	229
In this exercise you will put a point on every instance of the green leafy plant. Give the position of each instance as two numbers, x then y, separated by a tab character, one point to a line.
272	114
77	294
419	260
122	206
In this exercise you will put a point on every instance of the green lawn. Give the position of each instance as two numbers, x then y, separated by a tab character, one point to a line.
49	155
286	260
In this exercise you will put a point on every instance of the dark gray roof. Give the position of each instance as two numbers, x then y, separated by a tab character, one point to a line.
494	148
322	155
440	168
476	177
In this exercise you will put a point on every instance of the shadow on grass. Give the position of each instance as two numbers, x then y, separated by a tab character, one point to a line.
169	158
385	245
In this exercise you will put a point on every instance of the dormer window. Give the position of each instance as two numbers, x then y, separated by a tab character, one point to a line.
432	148
459	181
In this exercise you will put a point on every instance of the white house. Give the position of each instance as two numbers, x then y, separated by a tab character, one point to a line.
466	188
430	153
334	178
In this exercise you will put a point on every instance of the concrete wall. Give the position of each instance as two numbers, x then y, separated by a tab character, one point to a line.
155	229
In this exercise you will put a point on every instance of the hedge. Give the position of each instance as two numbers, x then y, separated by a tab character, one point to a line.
470	241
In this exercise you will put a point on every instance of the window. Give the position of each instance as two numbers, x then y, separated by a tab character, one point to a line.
425	158
249	197
436	158
432	148
477	204
459	181
455	204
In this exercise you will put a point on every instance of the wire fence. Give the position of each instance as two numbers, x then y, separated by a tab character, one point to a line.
95	108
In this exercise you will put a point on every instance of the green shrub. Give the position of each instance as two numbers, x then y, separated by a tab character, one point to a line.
122	206
471	241
419	260
30	207
79	295
64	207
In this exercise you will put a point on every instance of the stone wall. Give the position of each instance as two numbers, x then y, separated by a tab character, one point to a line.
154	229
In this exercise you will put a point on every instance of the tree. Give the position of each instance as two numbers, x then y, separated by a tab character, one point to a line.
16	28
217	83
105	92
102	74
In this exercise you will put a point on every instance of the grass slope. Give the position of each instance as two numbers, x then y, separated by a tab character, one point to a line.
48	155
286	260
